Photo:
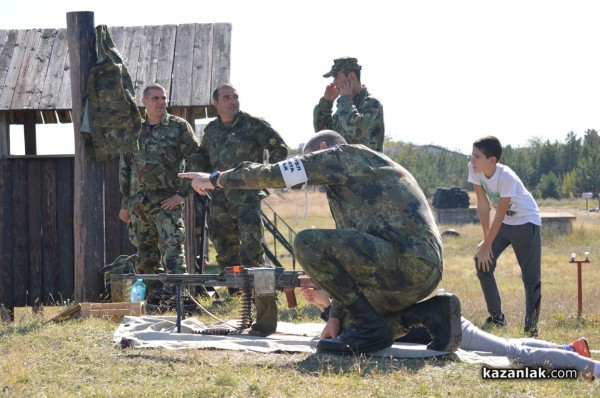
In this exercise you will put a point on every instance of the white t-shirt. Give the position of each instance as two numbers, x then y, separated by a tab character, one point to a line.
506	184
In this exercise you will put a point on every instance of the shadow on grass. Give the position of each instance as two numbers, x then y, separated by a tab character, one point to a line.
363	365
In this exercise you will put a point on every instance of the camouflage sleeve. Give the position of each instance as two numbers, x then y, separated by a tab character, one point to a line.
272	142
125	178
202	160
322	118
190	150
336	311
248	175
363	125
329	167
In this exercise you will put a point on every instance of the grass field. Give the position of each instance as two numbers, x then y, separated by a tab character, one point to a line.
76	358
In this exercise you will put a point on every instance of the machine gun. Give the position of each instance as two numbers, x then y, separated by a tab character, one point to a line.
250	281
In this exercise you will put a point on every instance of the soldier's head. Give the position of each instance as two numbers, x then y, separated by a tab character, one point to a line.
226	100
322	140
345	65
154	99
345	68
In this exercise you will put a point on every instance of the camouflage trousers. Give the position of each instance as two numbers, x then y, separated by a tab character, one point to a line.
349	263
236	231
159	236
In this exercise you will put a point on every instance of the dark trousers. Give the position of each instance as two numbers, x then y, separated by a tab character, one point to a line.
348	263
526	242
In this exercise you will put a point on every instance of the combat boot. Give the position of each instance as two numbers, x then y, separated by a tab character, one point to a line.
441	316
368	332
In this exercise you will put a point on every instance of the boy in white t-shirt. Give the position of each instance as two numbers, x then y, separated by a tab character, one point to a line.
517	223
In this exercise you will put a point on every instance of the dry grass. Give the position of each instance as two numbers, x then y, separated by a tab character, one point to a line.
77	358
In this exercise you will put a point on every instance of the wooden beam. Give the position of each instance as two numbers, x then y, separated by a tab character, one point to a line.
88	209
64	116
50	117
4	135
29	130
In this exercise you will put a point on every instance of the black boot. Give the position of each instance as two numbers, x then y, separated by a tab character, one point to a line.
441	316
367	333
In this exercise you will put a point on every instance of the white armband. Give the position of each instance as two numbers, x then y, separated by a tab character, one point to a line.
293	171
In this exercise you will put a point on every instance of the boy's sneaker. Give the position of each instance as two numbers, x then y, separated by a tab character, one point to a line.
496	320
581	346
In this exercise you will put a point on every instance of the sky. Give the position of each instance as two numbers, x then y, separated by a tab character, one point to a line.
446	72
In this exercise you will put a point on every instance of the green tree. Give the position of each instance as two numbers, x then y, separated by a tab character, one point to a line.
588	163
549	186
569	184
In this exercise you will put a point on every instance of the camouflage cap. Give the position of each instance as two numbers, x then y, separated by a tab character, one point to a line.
340	64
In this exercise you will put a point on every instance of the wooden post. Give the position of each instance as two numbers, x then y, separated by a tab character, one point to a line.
88	206
189	211
30	133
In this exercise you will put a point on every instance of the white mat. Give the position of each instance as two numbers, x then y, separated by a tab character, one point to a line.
161	332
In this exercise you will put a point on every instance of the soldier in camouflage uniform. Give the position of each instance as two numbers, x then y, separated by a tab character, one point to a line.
152	194
235	225
359	115
384	255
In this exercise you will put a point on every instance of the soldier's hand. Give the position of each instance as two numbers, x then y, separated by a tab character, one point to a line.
124	215
200	181
331	92
317	297
349	85
331	329
172	202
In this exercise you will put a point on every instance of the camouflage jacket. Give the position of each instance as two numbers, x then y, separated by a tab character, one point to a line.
245	139
359	120
367	192
111	121
166	149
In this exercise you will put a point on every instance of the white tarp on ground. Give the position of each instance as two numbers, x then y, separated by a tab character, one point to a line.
161	332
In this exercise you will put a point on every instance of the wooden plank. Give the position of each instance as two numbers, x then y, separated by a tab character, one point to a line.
221	59
20	241
50	117
37	76
64	116
4	135
88	202
8	39
64	100
39	118
112	206
166	54
116	34
112	310
29	131
50	237
132	42
64	215
66	313
34	219
148	59
181	89
10	82
6	232
57	75
202	65
21	98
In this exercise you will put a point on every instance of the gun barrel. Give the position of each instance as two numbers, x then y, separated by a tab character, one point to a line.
264	280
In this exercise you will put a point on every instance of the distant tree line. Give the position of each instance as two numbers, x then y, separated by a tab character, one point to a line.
548	169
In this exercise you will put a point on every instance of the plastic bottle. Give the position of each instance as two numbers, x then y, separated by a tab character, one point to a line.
138	291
